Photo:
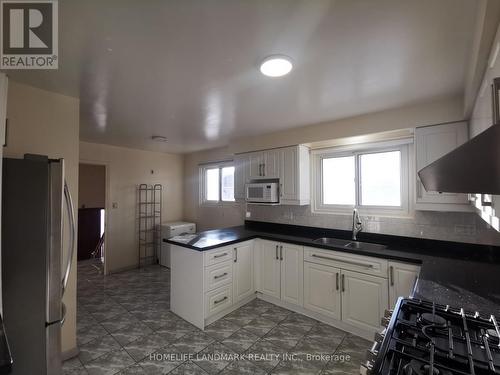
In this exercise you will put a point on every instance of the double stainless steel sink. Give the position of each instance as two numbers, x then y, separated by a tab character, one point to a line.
346	244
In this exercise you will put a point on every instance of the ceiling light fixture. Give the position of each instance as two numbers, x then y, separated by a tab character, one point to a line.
159	138
276	66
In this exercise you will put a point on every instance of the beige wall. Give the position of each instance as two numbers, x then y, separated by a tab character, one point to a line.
428	113
91	185
42	122
127	168
207	217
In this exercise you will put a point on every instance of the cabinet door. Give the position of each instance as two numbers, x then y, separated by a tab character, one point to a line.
243	272
402	277
271	160
322	289
364	299
270	269
241	175
289	171
433	142
292	270
256	163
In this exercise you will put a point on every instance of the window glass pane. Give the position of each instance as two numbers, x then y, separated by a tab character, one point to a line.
212	184
338	181
381	179
227	187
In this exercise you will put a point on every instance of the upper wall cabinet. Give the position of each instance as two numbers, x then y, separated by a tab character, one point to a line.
431	143
288	164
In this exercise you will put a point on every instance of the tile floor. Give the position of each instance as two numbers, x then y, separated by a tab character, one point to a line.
125	327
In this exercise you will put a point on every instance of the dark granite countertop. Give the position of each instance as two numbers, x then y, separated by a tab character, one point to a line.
452	273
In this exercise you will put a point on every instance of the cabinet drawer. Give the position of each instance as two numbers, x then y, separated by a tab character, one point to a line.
218	256
218	300
218	275
347	261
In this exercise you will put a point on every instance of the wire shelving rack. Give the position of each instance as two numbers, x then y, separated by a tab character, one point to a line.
149	209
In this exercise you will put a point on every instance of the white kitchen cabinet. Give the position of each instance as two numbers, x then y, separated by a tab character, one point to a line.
256	165
294	175
281	271
270	278
322	289
288	164
402	277
364	299
431	143
241	175
292	271
243	285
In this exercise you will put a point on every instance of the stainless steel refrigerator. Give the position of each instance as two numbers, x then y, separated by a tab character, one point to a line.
34	194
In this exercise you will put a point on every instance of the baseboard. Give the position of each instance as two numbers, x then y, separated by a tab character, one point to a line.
68	354
236	306
368	335
122	269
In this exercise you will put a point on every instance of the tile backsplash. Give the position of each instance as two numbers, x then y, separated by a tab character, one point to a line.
448	226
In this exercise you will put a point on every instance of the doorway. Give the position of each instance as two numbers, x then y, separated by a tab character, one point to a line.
91	213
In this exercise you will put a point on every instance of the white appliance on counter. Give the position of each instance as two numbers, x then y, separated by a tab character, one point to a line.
172	229
262	192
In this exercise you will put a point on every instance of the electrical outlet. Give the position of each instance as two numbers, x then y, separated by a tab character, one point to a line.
248	214
114	205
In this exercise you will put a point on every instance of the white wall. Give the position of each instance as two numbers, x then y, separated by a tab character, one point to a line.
43	122
126	169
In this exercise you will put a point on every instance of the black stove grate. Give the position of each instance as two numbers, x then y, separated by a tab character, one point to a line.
428	339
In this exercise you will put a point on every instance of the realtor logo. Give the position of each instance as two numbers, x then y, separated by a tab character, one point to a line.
29	34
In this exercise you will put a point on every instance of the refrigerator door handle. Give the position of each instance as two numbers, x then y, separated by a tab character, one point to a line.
72	230
63	318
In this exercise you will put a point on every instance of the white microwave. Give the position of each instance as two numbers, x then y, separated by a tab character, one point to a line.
262	192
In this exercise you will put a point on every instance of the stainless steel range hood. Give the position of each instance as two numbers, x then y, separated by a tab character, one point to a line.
473	167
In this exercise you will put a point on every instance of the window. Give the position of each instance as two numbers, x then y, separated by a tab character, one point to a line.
217	183
374	180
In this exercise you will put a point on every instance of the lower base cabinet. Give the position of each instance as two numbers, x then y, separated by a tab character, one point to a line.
364	299
322	289
402	278
281	271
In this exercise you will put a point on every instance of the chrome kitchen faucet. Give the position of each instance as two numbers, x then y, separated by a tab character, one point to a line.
357	225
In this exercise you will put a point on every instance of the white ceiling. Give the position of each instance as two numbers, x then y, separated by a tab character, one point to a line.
188	69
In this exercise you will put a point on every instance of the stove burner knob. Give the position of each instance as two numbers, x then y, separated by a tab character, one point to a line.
366	368
388	313
379	337
384	322
371	356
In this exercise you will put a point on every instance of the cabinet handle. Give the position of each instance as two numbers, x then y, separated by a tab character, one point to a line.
220	300
337	281
277	258
344	261
281	190
391	275
219	276
343	283
281	252
220	255
235	255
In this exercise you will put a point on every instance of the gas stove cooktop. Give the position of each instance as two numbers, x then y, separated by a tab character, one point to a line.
422	338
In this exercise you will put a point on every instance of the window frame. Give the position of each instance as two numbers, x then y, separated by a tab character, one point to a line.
404	210
203	182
